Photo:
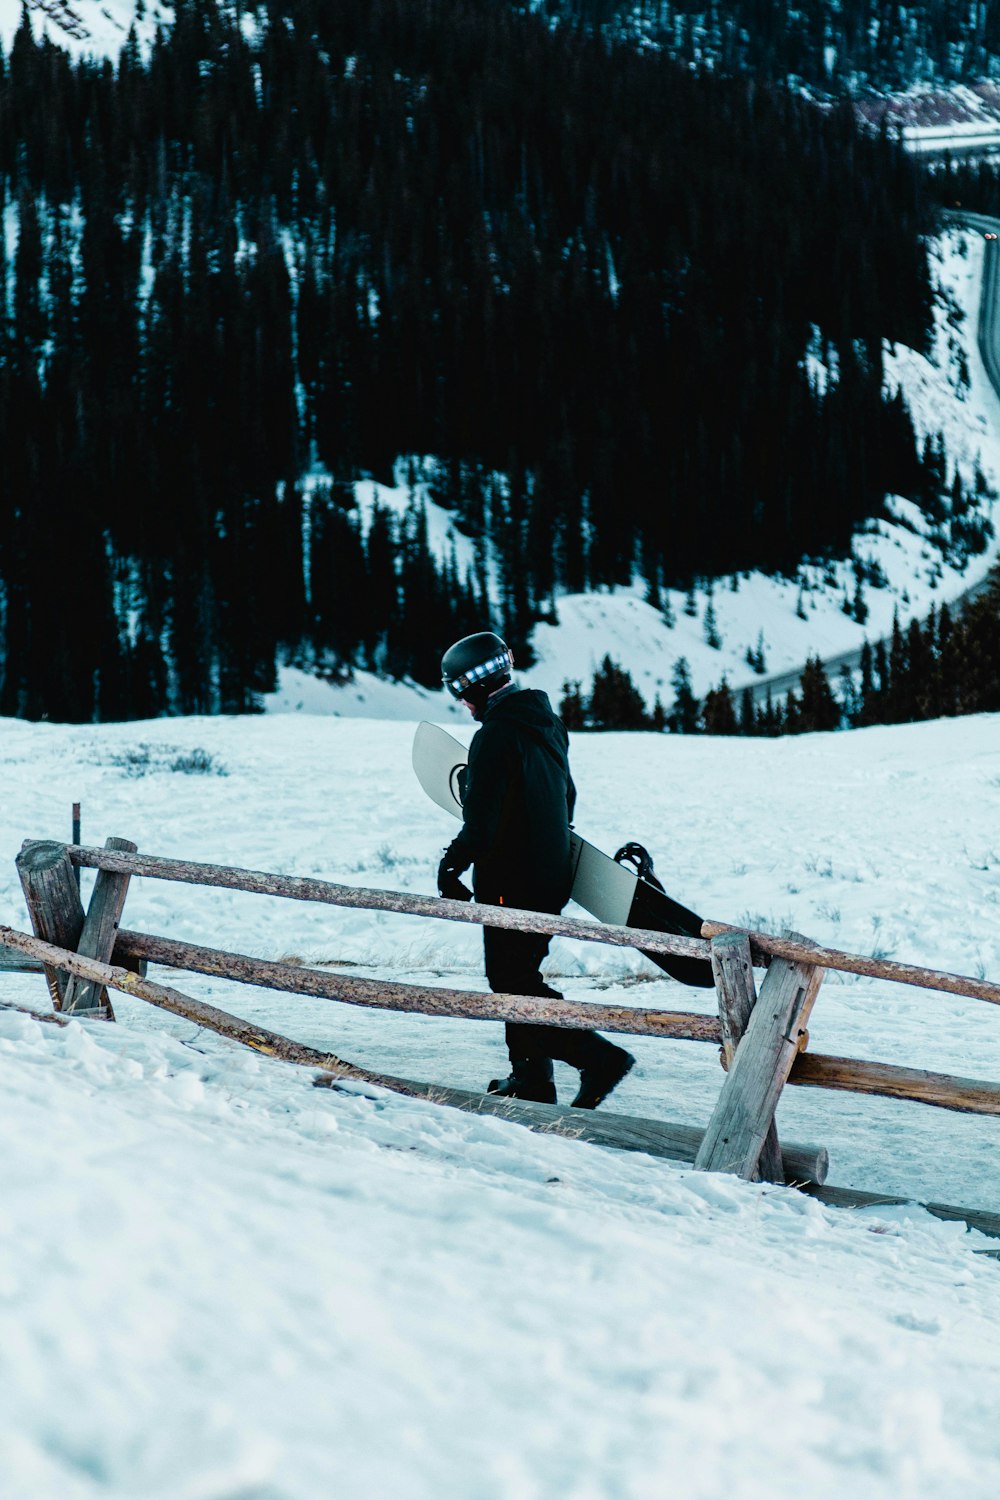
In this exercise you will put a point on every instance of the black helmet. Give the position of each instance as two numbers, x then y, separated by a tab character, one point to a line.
475	662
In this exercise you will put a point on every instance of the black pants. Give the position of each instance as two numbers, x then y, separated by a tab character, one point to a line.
513	962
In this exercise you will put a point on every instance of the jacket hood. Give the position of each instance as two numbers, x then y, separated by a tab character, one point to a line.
528	707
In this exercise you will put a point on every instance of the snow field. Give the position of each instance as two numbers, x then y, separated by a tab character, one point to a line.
234	1287
218	1282
98	28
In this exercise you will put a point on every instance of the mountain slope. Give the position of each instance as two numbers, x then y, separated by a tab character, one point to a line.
334	243
86	27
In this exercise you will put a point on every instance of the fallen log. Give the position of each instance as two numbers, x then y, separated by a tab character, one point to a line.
838	1197
49	1017
600	1128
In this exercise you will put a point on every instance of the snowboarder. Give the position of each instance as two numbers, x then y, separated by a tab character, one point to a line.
517	806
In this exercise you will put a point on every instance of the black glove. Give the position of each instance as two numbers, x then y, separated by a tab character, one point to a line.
451	867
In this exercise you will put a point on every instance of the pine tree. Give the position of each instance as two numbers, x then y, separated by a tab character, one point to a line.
615	701
684	715
719	713
859	609
866	713
712	636
818	708
899	703
572	706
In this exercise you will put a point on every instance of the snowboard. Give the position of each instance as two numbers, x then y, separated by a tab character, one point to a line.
601	885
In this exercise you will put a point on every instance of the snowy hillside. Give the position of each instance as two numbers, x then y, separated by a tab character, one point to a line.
790	618
797	617
779	620
219	1282
86	27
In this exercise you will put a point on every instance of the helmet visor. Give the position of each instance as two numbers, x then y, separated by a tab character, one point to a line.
458	686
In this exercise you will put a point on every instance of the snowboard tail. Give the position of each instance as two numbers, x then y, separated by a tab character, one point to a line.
608	890
658	912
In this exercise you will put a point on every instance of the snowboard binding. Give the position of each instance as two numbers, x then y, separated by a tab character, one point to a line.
639	858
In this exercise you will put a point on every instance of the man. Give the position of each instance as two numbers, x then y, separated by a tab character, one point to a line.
517	805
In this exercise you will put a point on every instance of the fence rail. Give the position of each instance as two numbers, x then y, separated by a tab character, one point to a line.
470	1005
764	1040
302	888
764	946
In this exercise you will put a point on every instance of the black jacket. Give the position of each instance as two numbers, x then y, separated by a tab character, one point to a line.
518	800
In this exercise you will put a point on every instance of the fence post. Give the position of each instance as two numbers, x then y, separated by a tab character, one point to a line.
53	902
744	1111
732	967
76	839
97	939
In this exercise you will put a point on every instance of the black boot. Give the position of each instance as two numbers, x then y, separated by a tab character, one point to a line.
530	1078
603	1073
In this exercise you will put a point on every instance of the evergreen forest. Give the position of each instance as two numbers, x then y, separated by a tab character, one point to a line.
972	185
830	46
936	668
577	285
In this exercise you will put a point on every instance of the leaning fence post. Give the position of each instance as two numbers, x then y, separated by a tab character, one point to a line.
732	967
97	939
744	1111
53	902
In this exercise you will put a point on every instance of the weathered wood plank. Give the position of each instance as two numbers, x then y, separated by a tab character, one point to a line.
115	977
746	1104
734	988
97	940
968	1095
53	903
16	963
737	995
48	1017
299	888
764	947
603	1128
425	999
75	823
838	1197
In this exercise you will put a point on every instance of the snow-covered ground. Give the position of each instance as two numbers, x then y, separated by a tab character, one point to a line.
217	1282
959	109
97	28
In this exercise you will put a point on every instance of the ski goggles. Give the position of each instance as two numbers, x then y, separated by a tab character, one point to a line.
503	662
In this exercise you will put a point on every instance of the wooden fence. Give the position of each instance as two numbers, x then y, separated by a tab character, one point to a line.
763	1037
